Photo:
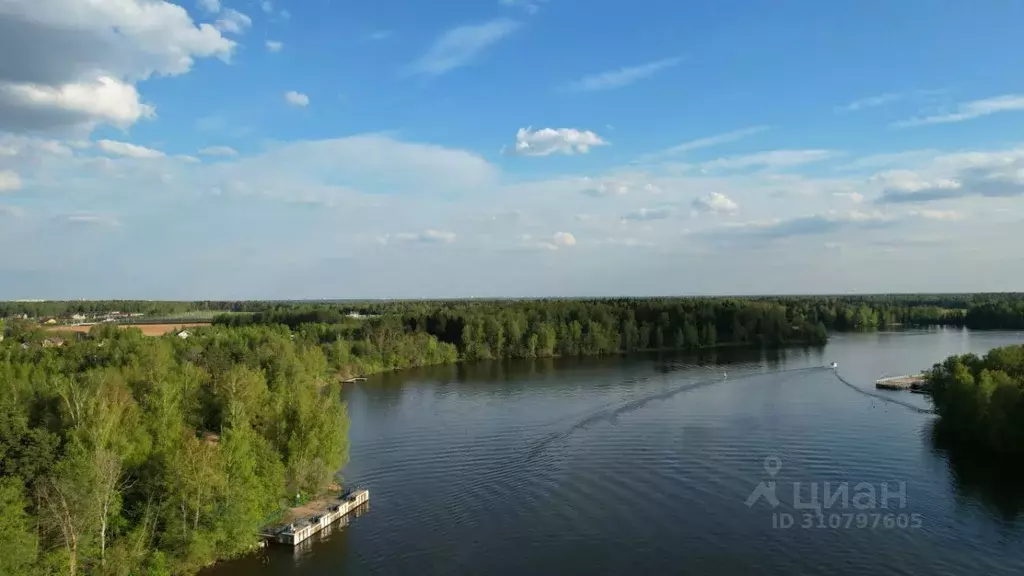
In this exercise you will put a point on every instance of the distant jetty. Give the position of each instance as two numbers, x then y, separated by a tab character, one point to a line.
906	382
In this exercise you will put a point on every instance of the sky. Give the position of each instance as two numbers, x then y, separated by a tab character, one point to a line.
247	149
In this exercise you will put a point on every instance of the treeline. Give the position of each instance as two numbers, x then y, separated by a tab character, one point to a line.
980	401
122	454
415	333
836	313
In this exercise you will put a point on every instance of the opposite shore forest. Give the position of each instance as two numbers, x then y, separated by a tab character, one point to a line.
127	454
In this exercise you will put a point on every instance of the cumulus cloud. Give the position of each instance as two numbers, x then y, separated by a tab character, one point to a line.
211	6
554	242
233	22
622	76
645	214
547	141
79	61
9	181
952	176
716	203
606	188
971	110
274	46
564	239
218	151
127	149
12	145
461	46
296	99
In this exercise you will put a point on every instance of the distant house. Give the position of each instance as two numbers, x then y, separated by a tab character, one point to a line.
53	343
78	317
51	321
183	334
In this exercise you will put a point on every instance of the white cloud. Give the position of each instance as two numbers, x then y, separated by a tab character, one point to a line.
218	151
531	6
854	197
645	214
267	6
556	241
94	220
971	110
233	22
873	101
211	6
296	99
14	145
622	76
715	202
604	189
86	58
274	45
428	237
707	142
769	159
11	211
460	46
9	181
547	141
107	100
127	149
946	215
626	242
564	239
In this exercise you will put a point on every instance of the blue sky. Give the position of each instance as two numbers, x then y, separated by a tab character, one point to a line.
328	149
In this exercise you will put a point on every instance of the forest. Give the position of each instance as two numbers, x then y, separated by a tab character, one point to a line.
122	454
980	402
434	332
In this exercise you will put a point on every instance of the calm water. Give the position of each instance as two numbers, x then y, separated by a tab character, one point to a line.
644	465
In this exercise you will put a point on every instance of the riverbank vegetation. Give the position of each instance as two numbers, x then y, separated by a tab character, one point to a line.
402	334
980	402
122	454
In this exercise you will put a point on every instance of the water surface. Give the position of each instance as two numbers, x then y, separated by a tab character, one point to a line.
644	465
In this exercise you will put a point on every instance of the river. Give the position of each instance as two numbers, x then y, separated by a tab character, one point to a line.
646	464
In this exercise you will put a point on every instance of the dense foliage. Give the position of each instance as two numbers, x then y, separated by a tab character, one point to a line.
438	331
122	454
980	400
839	313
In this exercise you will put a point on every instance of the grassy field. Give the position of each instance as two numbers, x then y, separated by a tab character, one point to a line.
147	329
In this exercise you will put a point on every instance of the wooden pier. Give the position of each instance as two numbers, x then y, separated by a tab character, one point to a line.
907	382
295	533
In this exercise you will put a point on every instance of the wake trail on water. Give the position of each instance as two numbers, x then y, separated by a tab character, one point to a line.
611	414
883	397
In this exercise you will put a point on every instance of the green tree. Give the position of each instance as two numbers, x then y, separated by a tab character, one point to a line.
18	544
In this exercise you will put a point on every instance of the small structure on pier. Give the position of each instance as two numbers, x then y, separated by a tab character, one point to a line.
906	382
